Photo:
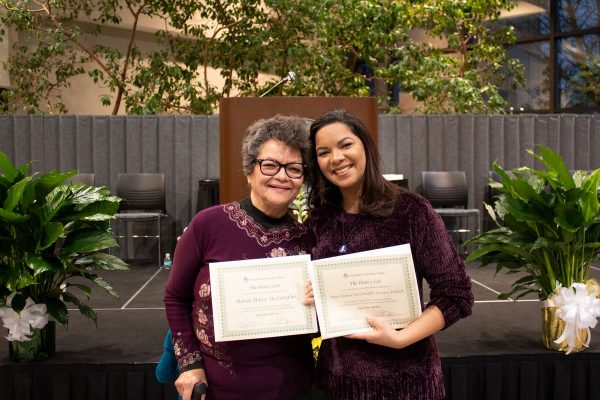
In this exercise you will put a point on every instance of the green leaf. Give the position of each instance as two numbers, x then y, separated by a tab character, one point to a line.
50	181
13	217
104	285
55	177
555	164
58	310
87	291
84	195
570	219
55	200
87	241
86	310
99	211
37	263
526	280
4	183
510	249
100	260
520	210
15	193
541	243
8	169
18	302
24	169
52	231
29	195
590	205
523	191
24	280
491	213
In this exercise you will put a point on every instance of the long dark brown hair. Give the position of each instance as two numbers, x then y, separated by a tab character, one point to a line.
377	197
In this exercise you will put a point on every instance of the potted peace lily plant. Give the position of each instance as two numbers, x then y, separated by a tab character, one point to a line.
52	239
548	234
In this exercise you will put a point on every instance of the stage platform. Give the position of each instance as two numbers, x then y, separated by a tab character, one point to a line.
494	354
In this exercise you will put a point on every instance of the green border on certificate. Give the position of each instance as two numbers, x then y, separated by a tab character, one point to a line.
261	298
379	283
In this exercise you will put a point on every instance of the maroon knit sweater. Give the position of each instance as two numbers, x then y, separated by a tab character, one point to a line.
278	368
355	369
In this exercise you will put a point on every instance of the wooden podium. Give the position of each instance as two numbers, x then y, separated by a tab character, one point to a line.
237	113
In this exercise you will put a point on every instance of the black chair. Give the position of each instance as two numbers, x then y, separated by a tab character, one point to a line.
143	197
208	193
397	179
88	179
448	194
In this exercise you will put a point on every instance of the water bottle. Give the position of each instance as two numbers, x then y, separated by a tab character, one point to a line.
167	261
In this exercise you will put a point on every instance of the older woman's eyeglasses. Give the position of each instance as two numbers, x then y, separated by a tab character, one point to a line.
271	167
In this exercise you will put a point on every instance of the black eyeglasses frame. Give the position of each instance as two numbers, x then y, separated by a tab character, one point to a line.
280	165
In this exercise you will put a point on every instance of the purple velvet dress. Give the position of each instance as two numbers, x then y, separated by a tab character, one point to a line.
273	368
355	369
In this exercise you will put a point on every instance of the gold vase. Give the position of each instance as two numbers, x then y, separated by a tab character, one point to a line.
553	327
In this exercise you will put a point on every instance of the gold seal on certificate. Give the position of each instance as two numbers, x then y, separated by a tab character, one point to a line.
261	298
380	283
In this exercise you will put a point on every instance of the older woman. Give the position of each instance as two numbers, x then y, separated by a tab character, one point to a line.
274	157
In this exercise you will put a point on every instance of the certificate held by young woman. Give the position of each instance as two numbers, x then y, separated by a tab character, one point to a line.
380	283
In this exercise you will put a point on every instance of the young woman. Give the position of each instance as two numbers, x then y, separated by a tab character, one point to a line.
356	209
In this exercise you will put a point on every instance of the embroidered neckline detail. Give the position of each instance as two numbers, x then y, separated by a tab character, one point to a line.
263	236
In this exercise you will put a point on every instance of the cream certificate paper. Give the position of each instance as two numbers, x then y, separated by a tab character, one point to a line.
381	283
261	298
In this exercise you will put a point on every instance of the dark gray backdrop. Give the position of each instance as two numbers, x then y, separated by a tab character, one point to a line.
186	148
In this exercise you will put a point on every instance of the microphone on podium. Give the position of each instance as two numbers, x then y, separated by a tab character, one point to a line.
291	77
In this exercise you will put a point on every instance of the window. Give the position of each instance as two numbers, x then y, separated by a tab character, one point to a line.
576	15
535	94
575	56
558	43
530	19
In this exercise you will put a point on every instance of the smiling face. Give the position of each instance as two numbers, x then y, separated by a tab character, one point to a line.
273	194
341	158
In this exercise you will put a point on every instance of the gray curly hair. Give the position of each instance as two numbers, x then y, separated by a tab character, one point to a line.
292	131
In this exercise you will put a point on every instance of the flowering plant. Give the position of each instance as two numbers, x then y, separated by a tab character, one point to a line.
52	237
548	226
300	204
549	232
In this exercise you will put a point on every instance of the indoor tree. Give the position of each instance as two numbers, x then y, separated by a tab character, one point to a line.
336	47
463	75
56	43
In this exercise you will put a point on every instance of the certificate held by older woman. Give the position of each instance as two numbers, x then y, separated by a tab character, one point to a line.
261	298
